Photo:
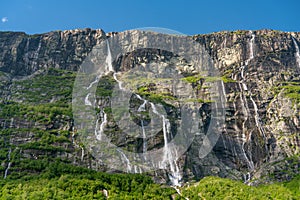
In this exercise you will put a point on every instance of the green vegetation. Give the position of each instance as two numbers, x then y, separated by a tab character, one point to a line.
37	172
153	96
239	32
196	78
105	86
54	84
62	181
218	188
193	79
291	90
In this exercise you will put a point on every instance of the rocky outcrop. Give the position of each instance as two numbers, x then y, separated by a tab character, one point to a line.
260	73
265	70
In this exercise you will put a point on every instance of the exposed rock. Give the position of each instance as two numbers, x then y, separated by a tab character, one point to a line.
261	84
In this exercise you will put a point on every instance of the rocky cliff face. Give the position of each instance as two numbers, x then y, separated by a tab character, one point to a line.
259	81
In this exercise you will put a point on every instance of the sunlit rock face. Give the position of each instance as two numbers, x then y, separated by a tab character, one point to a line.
259	80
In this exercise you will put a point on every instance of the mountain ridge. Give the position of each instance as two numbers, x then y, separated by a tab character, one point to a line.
261	141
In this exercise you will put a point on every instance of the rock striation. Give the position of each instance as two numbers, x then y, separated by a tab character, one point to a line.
259	80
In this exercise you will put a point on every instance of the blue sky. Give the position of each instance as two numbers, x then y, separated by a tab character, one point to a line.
188	17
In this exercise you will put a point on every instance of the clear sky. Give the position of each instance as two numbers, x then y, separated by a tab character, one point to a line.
189	17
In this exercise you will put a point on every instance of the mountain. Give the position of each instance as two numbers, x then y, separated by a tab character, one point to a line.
256	139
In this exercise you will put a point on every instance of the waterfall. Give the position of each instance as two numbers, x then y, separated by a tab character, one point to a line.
245	111
109	68
99	130
11	125
9	163
26	50
37	51
297	54
104	121
169	156
95	81
244	102
144	137
247	177
125	159
87	102
140	109
82	153
109	59
224	91
251	56
257	118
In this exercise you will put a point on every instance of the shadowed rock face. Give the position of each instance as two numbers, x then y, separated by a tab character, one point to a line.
260	73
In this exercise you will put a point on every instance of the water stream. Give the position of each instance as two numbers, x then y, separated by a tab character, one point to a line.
245	108
297	54
9	163
169	156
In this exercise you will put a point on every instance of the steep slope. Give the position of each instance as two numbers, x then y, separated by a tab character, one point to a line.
260	73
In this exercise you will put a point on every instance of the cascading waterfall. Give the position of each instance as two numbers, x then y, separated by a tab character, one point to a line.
246	111
169	154
224	100
9	152
169	157
111	69
297	54
100	129
251	47
109	59
87	102
245	108
144	137
257	118
126	160
26	56
37	51
9	164
82	153
141	109
256	115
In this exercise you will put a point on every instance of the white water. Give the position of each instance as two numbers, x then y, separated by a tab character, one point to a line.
247	177
100	130
144	137
11	125
137	170
9	151
244	103
126	160
257	118
95	81
109	59
140	109
82	153
37	51
109	68
251	47
169	156
87	102
224	91
297	54
9	164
